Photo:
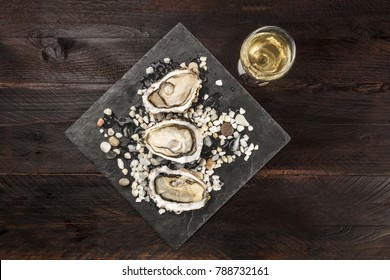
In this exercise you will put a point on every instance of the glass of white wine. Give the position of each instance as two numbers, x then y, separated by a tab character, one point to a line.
266	54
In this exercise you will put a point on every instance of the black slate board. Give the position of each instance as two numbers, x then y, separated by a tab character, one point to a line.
180	45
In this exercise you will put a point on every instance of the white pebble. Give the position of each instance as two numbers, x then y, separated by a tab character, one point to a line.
240	128
146	119
246	158
161	211
132	148
227	118
224	159
236	134
215	157
110	131
242	111
135	137
105	147
149	70
140	92
107	111
213	129
202	64
134	163
124	182
246	137
121	164
138	147
127	155
251	147
216	123
250	128
243	143
222	142
117	151
218	82
144	161
118	135
256	147
241	120
205	97
101	130
231	114
132	114
183	65
125	171
167	60
210	172
203	58
134	192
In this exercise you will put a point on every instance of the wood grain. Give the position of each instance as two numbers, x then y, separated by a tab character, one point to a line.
325	196
51	103
105	60
315	150
81	217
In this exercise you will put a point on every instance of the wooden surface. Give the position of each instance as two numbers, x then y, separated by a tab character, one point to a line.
325	196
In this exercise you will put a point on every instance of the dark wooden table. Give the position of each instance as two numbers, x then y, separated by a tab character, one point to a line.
325	196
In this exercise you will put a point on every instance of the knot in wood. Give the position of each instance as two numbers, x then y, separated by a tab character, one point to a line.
53	50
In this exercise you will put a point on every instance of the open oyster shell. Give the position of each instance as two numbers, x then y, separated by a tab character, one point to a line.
177	190
175	92
175	140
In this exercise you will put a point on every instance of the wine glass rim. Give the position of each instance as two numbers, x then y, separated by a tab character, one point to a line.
285	35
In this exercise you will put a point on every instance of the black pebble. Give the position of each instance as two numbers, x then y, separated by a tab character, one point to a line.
111	155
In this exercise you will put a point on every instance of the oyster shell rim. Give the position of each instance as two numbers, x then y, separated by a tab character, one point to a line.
172	205
151	108
198	145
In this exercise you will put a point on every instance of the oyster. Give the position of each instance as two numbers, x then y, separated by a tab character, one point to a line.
175	92
177	190
175	140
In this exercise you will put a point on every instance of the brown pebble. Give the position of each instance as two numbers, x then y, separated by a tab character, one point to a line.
227	129
210	164
100	122
113	141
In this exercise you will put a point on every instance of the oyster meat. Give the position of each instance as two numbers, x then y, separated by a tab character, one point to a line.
175	92
175	140
177	190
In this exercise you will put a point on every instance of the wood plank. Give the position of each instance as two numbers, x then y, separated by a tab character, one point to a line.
97	60
63	103
113	18
290	217
314	150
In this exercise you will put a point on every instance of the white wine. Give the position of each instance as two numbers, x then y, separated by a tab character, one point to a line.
266	55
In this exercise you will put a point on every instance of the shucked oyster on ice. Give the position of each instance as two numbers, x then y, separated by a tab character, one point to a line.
175	140
177	190
175	92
